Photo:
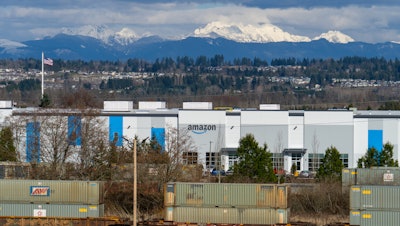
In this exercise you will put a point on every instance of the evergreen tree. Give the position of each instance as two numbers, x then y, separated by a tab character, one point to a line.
386	156
331	167
45	101
7	149
375	158
371	158
255	163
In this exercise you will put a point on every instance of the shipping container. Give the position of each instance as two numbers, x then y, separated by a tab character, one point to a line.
47	221
378	176
371	176
226	195
374	197
51	210
348	177
374	217
226	215
51	191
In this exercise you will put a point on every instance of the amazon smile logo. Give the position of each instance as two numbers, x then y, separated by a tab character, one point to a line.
201	129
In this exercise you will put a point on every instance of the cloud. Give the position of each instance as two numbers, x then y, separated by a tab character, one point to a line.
364	20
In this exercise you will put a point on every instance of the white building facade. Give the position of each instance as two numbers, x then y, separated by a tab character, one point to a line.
297	138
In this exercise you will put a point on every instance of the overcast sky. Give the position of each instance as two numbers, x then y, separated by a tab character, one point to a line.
364	20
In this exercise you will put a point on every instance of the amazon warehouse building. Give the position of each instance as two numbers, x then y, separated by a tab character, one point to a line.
293	137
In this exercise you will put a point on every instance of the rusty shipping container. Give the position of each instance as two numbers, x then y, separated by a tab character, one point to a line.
51	210
51	191
226	215
374	197
375	217
226	195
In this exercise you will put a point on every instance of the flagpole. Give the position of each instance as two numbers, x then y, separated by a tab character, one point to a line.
42	74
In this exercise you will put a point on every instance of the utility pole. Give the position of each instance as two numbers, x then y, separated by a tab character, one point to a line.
219	167
134	183
209	170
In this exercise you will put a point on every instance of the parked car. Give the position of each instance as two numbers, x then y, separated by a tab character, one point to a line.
217	172
207	171
229	172
306	174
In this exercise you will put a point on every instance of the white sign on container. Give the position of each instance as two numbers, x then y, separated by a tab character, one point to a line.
388	177
39	213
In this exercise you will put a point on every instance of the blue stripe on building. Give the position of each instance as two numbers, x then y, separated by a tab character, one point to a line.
74	130
33	142
375	139
158	134
115	130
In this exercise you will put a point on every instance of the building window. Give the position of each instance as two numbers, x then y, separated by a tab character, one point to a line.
296	159
345	160
277	162
212	159
190	158
233	160
314	162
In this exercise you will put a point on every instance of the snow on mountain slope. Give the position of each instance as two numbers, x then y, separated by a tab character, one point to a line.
248	33
123	37
5	43
126	36
262	33
335	37
242	33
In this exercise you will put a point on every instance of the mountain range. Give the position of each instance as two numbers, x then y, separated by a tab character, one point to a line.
264	41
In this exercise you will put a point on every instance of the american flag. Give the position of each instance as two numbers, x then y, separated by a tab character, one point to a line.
48	61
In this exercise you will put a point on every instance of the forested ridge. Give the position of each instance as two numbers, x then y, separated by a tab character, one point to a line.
293	83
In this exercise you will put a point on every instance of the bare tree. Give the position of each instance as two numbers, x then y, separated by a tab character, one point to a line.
278	158
178	145
315	147
68	144
43	134
97	157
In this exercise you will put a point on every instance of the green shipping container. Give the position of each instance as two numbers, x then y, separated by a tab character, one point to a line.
51	191
51	210
375	217
371	176
222	215
376	197
348	177
378	176
226	195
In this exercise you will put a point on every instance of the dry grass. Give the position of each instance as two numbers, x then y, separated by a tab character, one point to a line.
319	219
320	204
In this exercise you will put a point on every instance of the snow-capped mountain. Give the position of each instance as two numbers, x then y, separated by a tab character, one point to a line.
248	33
242	33
234	41
124	37
335	37
5	43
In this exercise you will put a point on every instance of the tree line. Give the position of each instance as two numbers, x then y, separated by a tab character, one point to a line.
242	82
319	70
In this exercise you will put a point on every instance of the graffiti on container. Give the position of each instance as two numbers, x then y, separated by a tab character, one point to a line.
40	191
